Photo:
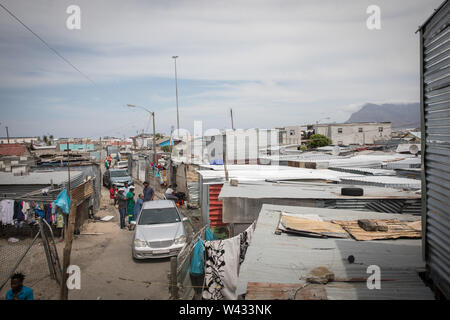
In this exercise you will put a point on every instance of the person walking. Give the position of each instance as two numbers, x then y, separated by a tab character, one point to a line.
138	206
113	193
123	206
148	192
106	165
18	291
126	188
130	204
109	160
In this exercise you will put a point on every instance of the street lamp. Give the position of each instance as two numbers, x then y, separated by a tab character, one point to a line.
176	93
152	113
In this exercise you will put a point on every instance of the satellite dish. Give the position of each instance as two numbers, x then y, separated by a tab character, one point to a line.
413	149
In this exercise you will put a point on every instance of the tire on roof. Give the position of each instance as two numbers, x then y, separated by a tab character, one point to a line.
352	191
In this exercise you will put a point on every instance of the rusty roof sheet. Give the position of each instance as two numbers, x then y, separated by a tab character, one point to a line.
12	149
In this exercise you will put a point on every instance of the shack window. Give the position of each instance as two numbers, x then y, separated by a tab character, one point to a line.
360	129
339	130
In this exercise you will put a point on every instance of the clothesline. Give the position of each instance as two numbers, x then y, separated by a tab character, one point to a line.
14	212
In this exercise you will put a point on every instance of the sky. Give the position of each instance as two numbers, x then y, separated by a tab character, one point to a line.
275	63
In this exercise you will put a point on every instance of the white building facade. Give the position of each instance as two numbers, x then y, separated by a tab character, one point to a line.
19	139
359	133
291	135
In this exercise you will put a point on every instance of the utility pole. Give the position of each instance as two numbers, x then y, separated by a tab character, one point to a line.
7	134
232	122
68	234
176	94
225	156
68	169
152	113
154	141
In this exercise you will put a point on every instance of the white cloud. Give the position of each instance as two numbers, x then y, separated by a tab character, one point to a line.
295	60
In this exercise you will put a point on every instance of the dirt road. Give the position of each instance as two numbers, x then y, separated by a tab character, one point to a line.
107	268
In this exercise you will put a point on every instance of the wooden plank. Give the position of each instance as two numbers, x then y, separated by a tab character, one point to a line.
173	279
396	229
64	292
313	227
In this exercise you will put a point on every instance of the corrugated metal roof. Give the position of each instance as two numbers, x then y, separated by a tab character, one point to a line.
372	160
366	171
302	190
284	258
384	181
404	164
39	178
262	172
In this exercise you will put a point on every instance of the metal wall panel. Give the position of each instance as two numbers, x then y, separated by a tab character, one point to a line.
435	104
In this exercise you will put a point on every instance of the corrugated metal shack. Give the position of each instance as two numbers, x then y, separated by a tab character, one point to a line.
280	261
242	203
30	186
54	179
434	40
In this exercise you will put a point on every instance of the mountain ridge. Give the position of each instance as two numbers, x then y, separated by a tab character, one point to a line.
401	115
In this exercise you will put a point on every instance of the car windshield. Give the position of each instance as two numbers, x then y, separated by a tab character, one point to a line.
159	215
119	173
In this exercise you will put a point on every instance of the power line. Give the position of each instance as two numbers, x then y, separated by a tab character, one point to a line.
48	45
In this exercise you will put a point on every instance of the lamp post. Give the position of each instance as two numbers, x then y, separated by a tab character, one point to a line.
176	94
152	113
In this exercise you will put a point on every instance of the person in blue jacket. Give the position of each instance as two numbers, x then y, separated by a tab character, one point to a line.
18	291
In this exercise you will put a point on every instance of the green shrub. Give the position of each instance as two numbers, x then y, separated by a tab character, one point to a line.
318	140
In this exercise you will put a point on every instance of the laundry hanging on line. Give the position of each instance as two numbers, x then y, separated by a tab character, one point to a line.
222	265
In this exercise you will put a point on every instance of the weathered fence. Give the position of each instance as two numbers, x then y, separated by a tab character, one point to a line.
31	250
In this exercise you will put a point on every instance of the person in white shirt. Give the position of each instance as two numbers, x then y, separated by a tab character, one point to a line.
169	190
126	188
169	194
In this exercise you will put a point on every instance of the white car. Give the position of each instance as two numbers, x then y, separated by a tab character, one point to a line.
159	231
121	164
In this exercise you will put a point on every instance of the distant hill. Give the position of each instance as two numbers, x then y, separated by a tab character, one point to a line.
401	115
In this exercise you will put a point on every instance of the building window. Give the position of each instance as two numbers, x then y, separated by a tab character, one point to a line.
339	130
380	129
360	129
